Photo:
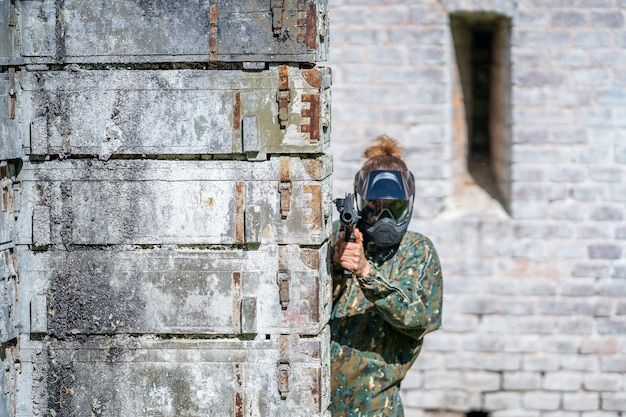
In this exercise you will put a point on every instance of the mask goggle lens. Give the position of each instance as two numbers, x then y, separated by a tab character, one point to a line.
373	210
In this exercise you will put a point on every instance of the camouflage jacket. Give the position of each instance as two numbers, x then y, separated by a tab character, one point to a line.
378	323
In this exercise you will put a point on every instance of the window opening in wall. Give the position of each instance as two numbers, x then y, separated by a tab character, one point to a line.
477	414
482	104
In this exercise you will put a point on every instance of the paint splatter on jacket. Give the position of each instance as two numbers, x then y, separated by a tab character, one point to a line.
378	323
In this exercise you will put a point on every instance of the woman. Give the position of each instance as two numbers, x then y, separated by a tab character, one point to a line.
391	296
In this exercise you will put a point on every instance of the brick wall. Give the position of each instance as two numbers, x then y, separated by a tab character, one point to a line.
534	317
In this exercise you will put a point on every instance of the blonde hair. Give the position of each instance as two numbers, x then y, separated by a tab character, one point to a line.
384	153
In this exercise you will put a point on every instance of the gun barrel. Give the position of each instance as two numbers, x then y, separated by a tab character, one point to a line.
348	214
348	217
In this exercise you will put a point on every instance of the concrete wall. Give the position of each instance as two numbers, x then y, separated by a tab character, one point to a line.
534	317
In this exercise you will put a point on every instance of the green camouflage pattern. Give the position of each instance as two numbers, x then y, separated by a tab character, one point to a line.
378	323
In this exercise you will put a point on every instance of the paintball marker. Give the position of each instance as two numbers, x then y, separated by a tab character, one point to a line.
348	215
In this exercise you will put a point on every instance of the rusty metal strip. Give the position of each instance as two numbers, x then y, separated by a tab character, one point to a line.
15	262
284	187
5	200
239	212
11	261
309	22
283	256
11	16
237	112
283	96
13	362
313	77
66	144
285	173
282	280
239	389
284	369
277	8
5	182
283	347
314	167
314	301
16	289
310	258
14	196
236	302
283	77
283	277
285	199
12	93
213	15
314	215
316	388
313	114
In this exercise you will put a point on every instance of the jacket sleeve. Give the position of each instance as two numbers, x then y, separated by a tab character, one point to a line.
408	292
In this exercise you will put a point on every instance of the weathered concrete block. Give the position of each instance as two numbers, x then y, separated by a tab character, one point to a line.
603	382
273	375
273	290
284	200
538	400
502	400
568	19
581	401
606	173
612	19
284	109
613	401
571	381
443	380
521	381
482	381
611	326
442	399
74	31
605	251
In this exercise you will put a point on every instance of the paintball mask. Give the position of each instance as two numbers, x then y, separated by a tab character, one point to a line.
385	204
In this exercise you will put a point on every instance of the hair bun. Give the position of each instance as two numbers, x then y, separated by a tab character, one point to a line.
383	145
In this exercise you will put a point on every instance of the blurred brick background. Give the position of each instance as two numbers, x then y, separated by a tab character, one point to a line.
534	261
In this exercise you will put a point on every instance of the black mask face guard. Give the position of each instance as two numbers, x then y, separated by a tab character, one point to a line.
378	194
